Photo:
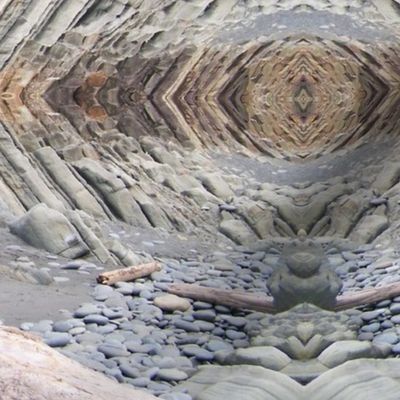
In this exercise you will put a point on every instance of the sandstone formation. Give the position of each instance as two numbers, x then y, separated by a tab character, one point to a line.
242	145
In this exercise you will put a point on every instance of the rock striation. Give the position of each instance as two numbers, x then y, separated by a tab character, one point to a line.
256	140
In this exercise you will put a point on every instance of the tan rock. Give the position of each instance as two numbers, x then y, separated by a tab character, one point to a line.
170	302
30	370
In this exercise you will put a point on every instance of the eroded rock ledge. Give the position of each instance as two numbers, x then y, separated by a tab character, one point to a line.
31	370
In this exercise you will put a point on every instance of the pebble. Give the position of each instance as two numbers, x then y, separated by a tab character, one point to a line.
186	325
113	350
374	327
205	315
387	324
129	371
396	349
102	292
366	336
234	335
171	302
57	339
370	315
73	265
171	374
87	309
395	308
140	382
95	319
200	305
217	345
389	337
198	352
63	326
238	322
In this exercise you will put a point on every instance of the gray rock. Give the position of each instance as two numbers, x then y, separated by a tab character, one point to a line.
342	351
86	309
42	326
113	350
186	325
57	339
49	229
96	319
204	326
264	356
141	382
129	371
373	327
389	337
113	313
205	315
171	374
201	305
197	352
234	335
395	308
370	315
218	345
102	292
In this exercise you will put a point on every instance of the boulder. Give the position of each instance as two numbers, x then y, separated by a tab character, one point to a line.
50	230
238	231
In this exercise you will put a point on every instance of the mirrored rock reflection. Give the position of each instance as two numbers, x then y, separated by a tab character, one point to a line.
248	146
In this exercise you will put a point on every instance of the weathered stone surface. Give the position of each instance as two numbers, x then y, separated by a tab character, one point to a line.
50	230
237	230
209	124
343	382
31	370
264	356
340	352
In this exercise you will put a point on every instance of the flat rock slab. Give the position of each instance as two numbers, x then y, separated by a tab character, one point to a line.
345	350
264	356
357	379
30	370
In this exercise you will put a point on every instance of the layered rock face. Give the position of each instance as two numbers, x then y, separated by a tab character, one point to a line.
267	129
103	105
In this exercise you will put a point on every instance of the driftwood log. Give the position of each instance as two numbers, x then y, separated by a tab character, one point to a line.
230	298
128	274
367	296
259	302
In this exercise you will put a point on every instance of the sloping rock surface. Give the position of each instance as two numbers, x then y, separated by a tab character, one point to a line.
29	370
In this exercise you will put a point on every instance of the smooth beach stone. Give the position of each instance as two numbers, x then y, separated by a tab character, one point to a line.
171	374
57	339
342	351
171	302
389	337
86	309
112	350
95	319
63	326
